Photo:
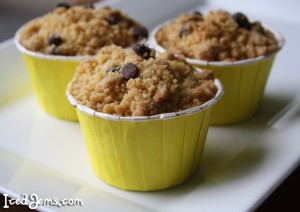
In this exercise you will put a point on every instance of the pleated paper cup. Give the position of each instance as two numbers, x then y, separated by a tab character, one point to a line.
244	81
148	152
50	76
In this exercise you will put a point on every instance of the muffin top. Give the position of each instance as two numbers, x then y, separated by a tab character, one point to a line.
219	36
132	82
80	30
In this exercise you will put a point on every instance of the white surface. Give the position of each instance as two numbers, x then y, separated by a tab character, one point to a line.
241	164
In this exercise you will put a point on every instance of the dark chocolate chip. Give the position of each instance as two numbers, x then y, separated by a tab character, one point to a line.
195	17
242	20
55	39
89	5
256	26
197	13
139	31
114	18
143	51
113	69
63	4
129	71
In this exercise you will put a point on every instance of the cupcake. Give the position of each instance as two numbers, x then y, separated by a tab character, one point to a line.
144	118
239	52
53	45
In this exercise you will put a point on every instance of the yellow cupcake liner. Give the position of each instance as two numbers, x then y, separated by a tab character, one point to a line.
50	76
145	153
244	87
244	82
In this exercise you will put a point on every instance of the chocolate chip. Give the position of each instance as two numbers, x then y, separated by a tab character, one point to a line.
114	18
113	69
55	39
197	13
256	26
63	4
143	51
139	31
195	17
242	20
129	71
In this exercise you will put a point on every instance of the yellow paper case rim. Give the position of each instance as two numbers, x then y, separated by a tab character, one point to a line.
92	112
22	49
279	37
